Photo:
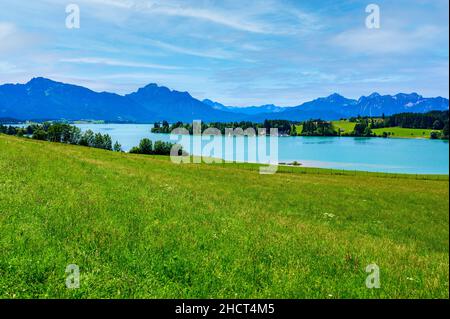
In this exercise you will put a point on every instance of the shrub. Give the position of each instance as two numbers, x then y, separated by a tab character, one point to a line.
435	135
145	146
40	134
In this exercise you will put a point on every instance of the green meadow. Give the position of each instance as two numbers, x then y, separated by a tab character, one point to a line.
344	126
142	227
347	127
404	132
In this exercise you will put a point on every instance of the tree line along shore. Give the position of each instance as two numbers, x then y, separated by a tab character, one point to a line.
69	134
432	125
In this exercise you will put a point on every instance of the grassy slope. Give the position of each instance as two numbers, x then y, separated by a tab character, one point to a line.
142	227
404	132
348	127
345	126
299	129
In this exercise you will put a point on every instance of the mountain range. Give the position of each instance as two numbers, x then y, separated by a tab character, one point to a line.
44	99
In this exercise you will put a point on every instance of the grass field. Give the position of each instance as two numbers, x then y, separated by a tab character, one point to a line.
344	126
142	227
348	127
404	132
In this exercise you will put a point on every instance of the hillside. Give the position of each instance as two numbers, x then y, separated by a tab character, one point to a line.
142	227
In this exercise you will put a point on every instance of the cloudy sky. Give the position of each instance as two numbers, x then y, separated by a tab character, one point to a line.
236	52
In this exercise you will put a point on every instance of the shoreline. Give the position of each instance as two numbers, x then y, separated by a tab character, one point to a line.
24	124
319	166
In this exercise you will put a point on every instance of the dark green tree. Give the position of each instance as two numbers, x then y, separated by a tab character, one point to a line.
40	134
445	131
145	146
87	139
117	147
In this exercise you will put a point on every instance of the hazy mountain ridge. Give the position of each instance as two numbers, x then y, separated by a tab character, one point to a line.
249	110
42	98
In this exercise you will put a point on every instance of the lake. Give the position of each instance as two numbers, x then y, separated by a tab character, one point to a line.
393	155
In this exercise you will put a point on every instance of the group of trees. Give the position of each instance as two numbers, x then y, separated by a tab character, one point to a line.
318	128
284	127
10	130
363	128
326	128
63	133
69	134
165	127
147	147
434	120
98	140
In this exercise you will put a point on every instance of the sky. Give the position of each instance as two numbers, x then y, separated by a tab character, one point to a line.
239	53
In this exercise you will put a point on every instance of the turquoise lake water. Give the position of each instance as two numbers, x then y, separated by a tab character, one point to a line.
394	155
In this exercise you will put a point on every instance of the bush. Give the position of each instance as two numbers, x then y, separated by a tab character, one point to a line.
435	135
146	146
135	150
117	147
40	134
162	148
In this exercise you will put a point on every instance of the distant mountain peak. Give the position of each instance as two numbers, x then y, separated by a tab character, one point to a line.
151	85
335	95
40	80
154	88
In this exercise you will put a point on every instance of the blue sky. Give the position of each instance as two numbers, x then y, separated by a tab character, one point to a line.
236	52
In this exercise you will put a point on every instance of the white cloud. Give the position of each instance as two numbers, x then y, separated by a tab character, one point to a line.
215	54
10	37
8	68
215	16
14	42
127	4
119	63
385	40
253	18
289	20
6	29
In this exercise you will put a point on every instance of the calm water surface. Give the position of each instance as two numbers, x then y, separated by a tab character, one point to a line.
395	155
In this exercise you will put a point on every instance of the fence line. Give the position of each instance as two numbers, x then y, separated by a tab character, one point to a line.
338	172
